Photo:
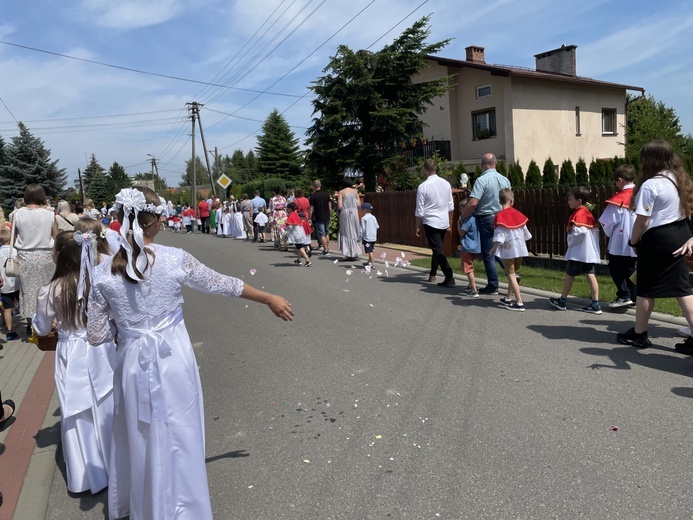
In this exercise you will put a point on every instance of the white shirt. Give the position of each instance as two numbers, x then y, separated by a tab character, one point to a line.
434	202
34	228
617	223
658	199
369	228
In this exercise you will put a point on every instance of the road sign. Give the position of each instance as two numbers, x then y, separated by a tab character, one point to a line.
224	181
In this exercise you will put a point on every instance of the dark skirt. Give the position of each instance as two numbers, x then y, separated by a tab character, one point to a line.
660	273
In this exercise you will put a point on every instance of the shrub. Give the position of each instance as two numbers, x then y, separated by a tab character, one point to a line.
515	176
581	177
500	168
567	175
549	178
533	179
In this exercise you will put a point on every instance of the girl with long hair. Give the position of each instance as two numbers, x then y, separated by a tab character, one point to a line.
157	468
663	203
83	374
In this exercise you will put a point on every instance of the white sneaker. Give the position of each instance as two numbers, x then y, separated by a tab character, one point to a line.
683	331
620	302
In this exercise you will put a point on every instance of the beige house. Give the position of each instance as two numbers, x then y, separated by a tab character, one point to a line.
522	114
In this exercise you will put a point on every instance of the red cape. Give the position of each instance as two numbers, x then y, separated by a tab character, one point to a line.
621	199
510	218
582	217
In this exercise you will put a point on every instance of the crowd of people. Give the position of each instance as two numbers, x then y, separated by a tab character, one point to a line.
127	381
647	223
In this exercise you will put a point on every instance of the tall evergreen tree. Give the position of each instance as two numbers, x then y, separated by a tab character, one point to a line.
567	175
581	177
251	165
119	179
533	179
549	178
366	102
238	170
650	119
28	161
92	169
100	189
277	150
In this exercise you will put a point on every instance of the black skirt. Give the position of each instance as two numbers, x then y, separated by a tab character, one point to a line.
660	273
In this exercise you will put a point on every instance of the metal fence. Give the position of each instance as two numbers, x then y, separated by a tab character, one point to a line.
547	210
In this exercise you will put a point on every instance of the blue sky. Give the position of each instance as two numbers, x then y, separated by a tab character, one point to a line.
79	108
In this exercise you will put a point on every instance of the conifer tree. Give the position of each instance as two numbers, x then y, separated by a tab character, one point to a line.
100	189
549	178
28	161
516	176
119	179
92	169
533	179
581	177
567	175
277	150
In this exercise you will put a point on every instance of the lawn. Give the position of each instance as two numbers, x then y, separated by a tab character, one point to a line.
552	281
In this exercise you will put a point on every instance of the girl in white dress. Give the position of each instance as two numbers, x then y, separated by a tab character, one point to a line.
157	469
83	374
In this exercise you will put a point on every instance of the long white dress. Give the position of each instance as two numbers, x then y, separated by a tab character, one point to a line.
84	380
157	469
237	230
220	224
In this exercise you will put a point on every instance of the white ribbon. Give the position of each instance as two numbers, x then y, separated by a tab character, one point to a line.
132	201
86	264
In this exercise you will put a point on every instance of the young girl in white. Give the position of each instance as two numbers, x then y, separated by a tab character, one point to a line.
157	469
83	374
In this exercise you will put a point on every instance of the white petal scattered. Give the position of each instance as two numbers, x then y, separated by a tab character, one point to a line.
378	273
306	461
402	253
252	272
345	290
335	261
387	264
371	305
386	274
383	255
349	272
251	487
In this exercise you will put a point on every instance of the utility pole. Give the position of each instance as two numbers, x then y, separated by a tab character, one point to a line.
155	170
81	185
193	194
204	146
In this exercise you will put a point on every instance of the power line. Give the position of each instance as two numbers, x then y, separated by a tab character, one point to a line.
398	23
119	67
247	118
8	110
97	117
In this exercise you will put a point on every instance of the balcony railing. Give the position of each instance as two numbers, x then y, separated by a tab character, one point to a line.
421	150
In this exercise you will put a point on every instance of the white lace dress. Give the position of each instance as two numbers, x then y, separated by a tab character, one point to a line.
84	381
157	469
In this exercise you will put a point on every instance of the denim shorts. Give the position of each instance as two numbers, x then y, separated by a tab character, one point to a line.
322	229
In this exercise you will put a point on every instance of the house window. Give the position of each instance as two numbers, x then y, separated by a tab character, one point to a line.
484	124
609	121
483	91
577	121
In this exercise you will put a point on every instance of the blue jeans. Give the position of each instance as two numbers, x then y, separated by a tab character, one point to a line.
485	224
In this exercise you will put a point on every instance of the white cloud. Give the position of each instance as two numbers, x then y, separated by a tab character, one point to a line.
130	14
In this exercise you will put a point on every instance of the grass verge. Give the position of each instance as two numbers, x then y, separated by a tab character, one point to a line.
552	281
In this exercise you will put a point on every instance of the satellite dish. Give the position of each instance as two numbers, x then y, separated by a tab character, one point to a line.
464	179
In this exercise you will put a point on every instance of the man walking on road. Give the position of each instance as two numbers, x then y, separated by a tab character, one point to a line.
484	202
433	207
258	204
320	213
203	212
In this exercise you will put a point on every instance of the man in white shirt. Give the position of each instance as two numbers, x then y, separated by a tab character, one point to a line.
433	207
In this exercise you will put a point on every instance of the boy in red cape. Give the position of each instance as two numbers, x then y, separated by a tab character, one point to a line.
510	237
583	250
617	221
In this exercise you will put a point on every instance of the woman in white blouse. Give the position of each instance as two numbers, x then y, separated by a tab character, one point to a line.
36	228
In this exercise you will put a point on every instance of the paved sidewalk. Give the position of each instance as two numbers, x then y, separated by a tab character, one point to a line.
29	446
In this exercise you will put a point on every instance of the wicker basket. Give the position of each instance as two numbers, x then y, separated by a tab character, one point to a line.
48	343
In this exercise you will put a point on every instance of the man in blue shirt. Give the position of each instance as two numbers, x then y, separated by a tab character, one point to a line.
483	201
259	205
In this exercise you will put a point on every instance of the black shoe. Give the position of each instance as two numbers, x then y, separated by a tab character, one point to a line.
11	335
448	282
686	347
630	337
489	290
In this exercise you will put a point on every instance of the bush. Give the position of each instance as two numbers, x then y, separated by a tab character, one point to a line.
477	174
533	179
270	184
460	169
500	168
515	176
581	177
549	178
567	175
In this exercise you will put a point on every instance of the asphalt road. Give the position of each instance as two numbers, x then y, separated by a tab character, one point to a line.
391	398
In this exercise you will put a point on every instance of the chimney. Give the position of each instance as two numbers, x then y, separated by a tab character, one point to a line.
475	54
558	61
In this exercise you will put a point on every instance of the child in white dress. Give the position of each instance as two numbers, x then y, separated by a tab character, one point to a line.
510	237
157	469
83	374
